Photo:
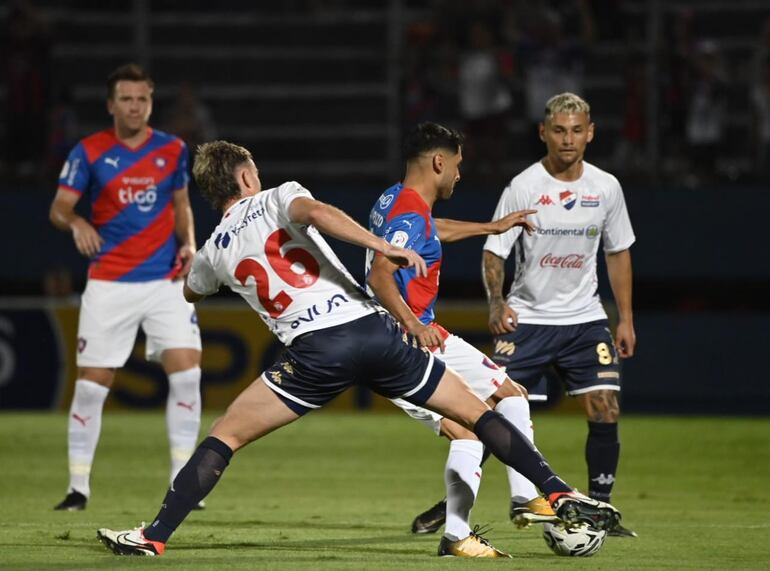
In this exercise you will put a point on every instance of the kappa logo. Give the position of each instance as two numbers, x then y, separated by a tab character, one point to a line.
544	200
288	368
112	162
385	200
505	348
567	199
603	480
276	376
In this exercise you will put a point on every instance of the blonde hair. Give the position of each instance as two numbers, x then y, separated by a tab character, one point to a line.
566	103
214	171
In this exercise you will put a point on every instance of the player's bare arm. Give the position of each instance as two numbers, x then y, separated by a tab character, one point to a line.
190	295
184	228
334	222
455	230
502	319
63	216
621	278
384	286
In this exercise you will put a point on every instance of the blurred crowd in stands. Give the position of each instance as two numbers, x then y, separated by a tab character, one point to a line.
487	67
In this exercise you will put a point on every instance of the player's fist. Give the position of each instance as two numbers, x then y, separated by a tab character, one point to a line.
502	318
183	261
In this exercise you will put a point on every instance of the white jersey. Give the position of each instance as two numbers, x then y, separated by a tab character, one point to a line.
285	271
555	280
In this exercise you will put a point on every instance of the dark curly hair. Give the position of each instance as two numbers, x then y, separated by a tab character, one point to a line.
431	136
214	171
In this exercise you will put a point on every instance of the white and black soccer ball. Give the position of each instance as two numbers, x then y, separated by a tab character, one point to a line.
579	541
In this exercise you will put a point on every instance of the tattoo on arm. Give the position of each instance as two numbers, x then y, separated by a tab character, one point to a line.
494	274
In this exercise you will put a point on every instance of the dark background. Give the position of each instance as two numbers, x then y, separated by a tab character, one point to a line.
321	91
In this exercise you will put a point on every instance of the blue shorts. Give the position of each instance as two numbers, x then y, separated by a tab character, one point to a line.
372	351
583	356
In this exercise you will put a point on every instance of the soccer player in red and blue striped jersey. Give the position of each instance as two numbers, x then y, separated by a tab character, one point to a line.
140	240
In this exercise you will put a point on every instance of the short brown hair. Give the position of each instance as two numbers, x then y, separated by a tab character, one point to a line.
214	171
127	72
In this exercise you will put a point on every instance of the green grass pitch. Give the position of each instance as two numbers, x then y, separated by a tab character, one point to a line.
338	491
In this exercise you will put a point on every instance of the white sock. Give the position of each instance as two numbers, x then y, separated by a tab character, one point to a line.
183	416
516	411
85	425
462	476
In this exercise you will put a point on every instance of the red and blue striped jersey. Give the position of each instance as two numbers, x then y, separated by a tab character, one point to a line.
404	219
131	194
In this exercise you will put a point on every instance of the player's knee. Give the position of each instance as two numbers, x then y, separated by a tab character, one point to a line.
453	431
100	375
508	389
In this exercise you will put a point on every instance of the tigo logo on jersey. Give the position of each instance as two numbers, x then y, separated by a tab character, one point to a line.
385	200
568	199
544	200
143	198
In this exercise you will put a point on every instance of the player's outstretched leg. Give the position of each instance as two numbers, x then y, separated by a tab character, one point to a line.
454	399
254	413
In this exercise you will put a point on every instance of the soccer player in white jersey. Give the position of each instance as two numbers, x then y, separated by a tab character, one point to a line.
552	315
268	249
403	215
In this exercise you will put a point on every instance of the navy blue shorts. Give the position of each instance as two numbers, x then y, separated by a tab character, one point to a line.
583	356
372	351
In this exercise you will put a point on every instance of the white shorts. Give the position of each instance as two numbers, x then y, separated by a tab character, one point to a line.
111	313
483	376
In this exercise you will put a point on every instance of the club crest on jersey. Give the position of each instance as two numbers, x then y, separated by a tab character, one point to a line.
385	200
160	162
568	199
544	200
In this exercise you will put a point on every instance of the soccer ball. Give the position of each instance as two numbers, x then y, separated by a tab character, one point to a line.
580	541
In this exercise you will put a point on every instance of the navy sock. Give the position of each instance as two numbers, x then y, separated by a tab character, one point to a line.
602	454
512	448
193	483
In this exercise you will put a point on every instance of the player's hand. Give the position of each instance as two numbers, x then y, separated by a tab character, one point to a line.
87	239
428	336
518	218
183	261
502	318
405	258
625	339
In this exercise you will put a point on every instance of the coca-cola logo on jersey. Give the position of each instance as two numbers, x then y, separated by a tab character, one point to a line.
140	191
569	262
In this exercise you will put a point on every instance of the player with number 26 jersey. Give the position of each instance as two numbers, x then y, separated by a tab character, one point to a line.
260	254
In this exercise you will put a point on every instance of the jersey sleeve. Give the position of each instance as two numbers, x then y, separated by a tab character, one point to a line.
181	176
502	244
286	194
618	235
75	175
406	231
202	278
